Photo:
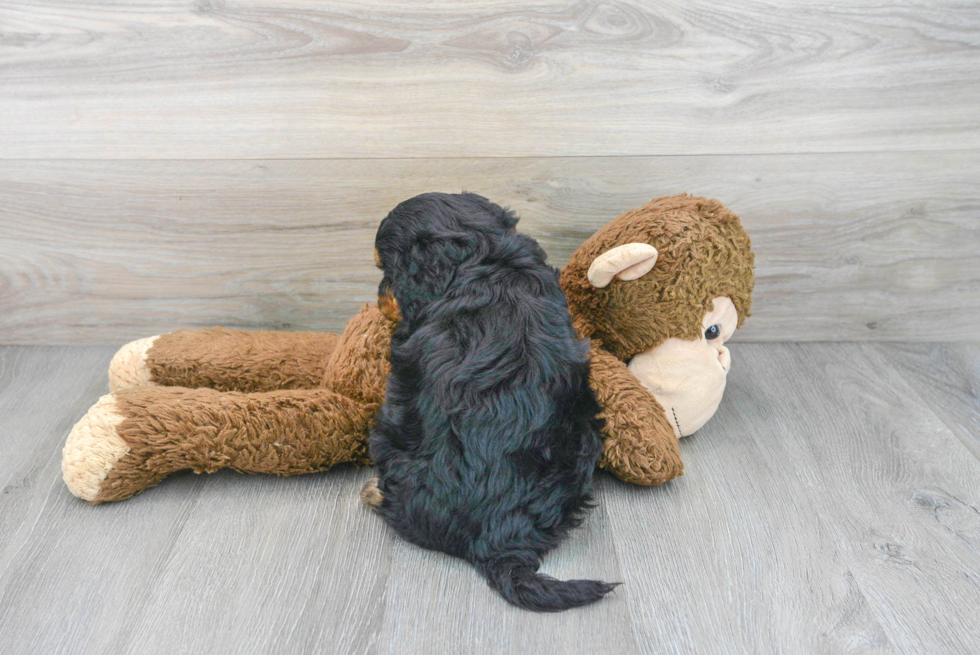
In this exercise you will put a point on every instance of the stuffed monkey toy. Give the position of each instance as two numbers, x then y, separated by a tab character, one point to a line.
658	291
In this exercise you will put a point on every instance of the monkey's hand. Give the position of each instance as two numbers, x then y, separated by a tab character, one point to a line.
359	365
639	443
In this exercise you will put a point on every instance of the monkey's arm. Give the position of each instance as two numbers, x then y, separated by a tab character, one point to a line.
359	365
226	360
639	443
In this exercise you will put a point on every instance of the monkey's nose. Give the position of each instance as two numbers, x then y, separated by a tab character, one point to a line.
724	358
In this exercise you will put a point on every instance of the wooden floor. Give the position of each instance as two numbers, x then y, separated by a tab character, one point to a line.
832	505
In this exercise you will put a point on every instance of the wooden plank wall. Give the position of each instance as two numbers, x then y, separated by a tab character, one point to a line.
181	163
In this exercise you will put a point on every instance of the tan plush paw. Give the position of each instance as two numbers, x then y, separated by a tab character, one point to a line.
128	366
92	449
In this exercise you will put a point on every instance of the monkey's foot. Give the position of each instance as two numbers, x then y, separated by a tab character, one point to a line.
99	465
93	448
128	367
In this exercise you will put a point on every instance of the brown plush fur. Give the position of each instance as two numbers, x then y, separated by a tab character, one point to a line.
170	429
286	431
236	360
359	368
294	402
703	253
639	445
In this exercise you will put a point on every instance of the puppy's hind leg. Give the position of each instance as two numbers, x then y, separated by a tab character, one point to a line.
370	494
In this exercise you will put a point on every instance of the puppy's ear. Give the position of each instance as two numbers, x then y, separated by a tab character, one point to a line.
429	268
626	262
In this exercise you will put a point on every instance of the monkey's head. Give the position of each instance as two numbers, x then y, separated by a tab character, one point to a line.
662	288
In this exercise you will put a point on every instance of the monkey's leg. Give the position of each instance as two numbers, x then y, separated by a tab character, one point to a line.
227	360
639	443
131	440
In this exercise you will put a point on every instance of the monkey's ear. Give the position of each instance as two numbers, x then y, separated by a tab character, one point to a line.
627	262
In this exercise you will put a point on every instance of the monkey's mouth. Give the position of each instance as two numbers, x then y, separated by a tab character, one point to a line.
689	408
687	378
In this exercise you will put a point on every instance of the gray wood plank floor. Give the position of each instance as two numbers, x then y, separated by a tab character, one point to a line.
833	505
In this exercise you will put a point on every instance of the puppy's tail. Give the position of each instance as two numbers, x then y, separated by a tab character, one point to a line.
518	581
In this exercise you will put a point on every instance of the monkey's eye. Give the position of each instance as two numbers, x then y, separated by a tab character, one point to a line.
712	332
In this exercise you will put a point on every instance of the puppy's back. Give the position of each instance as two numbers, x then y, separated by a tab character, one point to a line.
488	437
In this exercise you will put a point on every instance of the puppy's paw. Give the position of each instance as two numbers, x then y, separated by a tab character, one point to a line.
128	367
92	449
370	494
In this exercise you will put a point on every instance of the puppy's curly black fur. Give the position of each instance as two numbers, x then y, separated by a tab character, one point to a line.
488	437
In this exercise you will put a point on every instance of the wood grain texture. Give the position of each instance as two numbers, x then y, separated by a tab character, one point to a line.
733	557
826	508
272	565
901	491
872	246
947	377
297	78
43	391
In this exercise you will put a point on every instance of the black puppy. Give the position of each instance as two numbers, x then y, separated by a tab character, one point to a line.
488	437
